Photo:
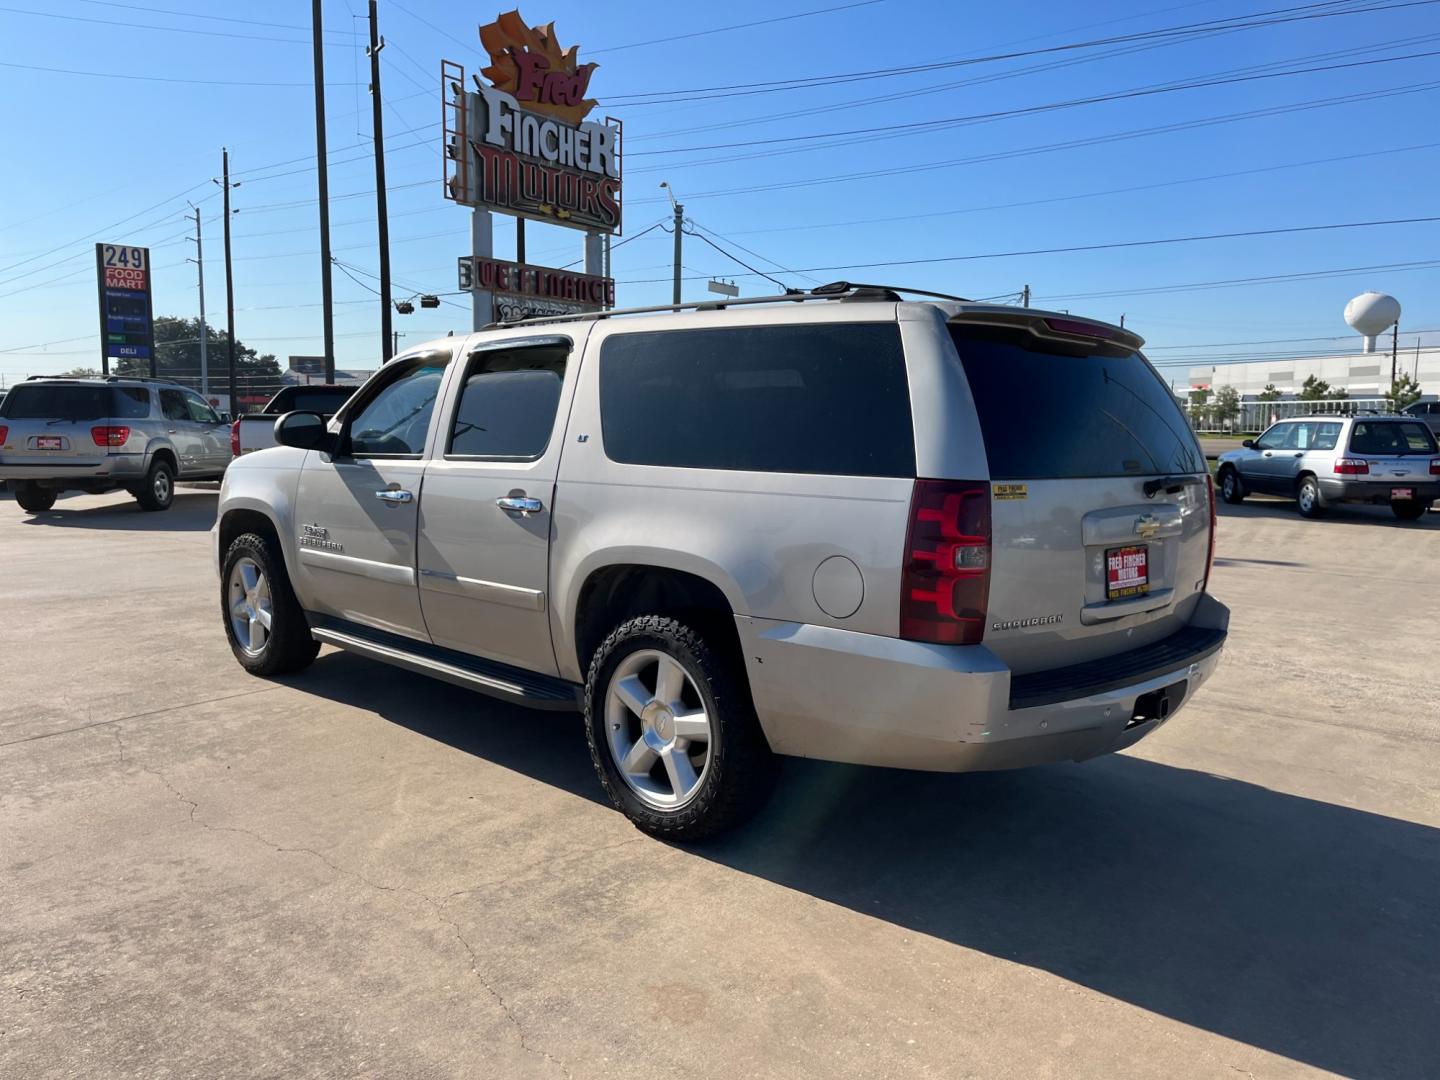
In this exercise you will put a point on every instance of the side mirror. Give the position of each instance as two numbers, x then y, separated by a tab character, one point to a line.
304	431
225	417
1249	444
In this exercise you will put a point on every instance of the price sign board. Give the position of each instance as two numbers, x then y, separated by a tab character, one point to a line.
127	329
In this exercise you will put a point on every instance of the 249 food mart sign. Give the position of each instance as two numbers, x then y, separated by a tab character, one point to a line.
520	144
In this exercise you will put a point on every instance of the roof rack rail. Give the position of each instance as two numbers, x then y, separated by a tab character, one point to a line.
835	290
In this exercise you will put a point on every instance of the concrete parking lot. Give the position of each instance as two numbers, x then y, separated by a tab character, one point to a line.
360	872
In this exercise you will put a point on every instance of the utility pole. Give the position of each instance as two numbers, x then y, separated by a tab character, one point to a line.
1025	300
225	184
395	336
327	307
199	262
520	240
679	223
1394	351
381	214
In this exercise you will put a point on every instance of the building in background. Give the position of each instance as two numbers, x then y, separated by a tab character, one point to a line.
1357	380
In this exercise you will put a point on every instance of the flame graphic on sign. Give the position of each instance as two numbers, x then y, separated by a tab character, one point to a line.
508	37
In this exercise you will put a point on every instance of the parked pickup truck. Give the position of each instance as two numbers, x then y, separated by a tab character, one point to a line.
819	525
256	431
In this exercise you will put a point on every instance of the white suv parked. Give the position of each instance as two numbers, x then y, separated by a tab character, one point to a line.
930	535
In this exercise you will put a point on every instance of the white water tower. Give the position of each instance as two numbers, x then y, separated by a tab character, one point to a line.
1371	314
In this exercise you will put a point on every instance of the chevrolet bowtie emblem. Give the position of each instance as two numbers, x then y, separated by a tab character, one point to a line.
1146	526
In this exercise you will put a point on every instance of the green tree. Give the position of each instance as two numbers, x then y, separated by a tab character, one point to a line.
1227	405
81	373
1403	391
1315	389
1199	408
1337	395
1269	393
177	356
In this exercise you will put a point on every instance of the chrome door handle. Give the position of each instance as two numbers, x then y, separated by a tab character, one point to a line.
390	495
519	504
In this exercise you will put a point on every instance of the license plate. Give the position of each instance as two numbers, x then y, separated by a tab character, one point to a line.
1127	571
47	442
1402	493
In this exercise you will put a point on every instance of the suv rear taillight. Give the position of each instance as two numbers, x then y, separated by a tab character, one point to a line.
945	583
1434	462
1210	551
109	436
235	438
5	434
1349	466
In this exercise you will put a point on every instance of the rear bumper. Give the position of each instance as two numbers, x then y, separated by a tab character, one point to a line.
840	696
112	470
1375	491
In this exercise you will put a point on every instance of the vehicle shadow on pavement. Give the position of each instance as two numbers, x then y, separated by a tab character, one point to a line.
547	746
1345	514
1303	928
191	511
1300	927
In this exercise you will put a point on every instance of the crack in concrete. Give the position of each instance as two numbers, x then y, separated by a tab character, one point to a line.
436	905
137	716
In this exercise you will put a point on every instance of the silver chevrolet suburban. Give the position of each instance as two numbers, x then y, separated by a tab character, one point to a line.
100	434
922	534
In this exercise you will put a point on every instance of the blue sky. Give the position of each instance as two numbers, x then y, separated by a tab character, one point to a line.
93	155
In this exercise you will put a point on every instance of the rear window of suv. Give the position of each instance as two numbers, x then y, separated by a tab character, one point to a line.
1049	410
819	399
1391	437
56	401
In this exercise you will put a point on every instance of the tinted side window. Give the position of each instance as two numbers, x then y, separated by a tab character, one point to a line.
395	420
172	405
508	403
130	402
829	399
200	410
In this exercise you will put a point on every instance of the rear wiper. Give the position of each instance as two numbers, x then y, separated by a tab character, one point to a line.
1170	484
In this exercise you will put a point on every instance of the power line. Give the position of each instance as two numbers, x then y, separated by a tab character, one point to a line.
735	26
164	29
1100	247
748	251
924	126
909	95
155	78
1238	22
736	259
1045	148
1090	194
1264	279
196	15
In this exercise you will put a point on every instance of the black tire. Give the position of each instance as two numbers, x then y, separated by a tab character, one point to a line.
1307	498
288	645
34	498
1409	509
158	490
1230	489
740	767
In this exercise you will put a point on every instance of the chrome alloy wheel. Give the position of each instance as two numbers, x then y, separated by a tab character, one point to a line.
251	608
658	731
161	486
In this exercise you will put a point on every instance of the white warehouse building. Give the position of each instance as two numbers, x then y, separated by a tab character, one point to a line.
1363	375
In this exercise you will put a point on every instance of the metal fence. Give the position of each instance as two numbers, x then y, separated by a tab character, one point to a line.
1258	415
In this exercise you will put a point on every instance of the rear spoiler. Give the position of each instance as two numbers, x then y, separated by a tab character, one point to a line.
1048	324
